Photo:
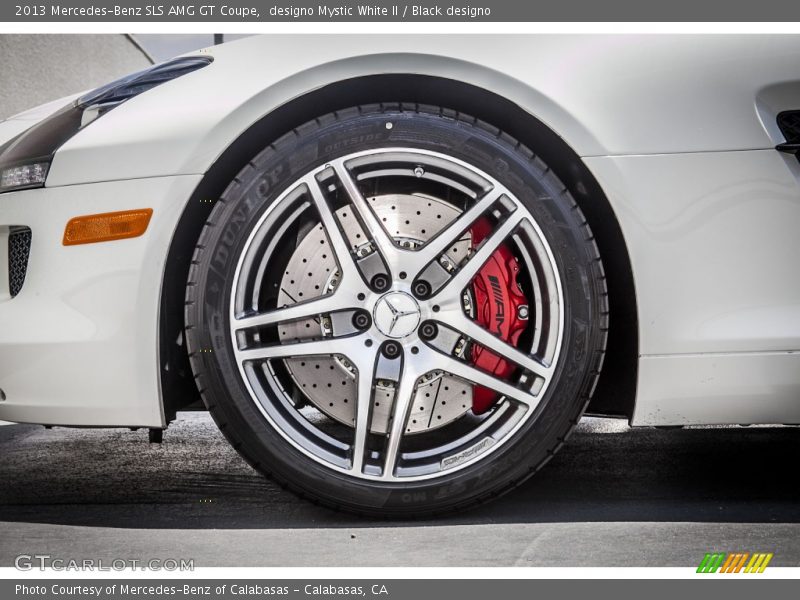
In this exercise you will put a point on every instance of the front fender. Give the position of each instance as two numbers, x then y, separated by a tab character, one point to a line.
604	95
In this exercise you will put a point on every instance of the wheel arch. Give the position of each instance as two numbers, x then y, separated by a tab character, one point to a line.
616	387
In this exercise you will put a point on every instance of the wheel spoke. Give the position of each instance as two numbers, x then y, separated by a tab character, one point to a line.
325	346
402	406
482	378
339	244
366	364
385	244
497	345
450	235
465	275
308	309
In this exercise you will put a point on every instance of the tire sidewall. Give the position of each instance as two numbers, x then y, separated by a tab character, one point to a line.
256	189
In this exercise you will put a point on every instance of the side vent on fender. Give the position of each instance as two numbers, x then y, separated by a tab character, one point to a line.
789	124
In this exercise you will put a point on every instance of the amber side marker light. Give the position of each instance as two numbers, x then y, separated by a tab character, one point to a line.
107	227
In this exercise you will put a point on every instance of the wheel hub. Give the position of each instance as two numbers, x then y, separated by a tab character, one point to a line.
329	383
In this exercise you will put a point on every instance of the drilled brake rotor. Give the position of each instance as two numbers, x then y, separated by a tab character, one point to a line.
329	383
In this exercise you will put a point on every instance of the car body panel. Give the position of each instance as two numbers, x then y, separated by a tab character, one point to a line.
710	236
678	130
16	124
741	388
79	342
604	95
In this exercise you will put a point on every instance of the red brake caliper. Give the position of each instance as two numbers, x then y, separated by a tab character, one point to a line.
497	302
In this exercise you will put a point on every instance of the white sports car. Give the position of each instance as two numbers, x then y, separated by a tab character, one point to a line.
398	269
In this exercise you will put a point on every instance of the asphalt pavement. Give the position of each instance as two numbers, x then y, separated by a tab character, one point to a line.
613	496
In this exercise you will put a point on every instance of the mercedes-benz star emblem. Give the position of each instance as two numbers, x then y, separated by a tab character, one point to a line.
397	314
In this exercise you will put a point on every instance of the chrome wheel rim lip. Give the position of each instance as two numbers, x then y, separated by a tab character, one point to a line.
483	446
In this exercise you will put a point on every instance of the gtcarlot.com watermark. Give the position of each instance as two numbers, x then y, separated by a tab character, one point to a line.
42	562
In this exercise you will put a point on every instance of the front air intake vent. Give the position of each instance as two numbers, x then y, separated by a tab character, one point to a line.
19	248
789	124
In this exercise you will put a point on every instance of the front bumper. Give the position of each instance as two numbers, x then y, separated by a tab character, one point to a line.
79	342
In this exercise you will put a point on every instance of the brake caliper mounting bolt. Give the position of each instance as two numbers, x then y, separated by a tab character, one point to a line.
523	311
419	171
326	325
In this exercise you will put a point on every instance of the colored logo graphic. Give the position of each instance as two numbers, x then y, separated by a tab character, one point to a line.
734	562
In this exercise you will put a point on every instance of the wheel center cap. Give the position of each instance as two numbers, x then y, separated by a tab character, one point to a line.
396	314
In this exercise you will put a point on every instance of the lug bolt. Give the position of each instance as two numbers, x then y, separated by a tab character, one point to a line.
391	349
361	319
428	331
380	282
421	289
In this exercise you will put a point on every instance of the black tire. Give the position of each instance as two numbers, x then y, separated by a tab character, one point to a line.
362	128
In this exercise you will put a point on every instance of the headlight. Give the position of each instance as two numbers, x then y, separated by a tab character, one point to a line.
100	101
25	159
24	176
